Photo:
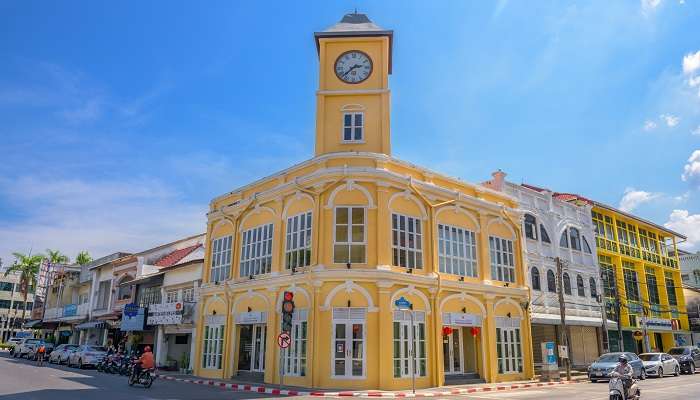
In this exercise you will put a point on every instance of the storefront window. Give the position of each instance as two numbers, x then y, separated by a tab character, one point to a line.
295	355
508	345
213	346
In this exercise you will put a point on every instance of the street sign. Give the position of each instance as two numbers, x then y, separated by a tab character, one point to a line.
284	340
402	304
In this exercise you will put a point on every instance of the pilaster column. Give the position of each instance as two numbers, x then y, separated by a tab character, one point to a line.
438	370
316	329
383	228
386	339
272	351
484	255
489	340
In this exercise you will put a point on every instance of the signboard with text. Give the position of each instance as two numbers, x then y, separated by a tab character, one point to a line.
133	323
166	314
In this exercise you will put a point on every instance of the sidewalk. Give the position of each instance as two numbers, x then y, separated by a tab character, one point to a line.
232	384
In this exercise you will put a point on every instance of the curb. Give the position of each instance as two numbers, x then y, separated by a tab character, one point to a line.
368	394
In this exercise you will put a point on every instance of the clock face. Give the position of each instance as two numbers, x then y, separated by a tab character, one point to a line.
353	66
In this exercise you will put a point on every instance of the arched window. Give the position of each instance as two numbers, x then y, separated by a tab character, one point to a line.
564	240
586	247
579	286
535	276
551	282
575	239
544	235
594	290
530	227
567	284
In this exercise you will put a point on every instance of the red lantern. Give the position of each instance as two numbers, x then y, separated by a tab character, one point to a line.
474	331
446	331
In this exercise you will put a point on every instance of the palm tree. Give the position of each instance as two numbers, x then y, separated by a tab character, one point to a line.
28	268
83	258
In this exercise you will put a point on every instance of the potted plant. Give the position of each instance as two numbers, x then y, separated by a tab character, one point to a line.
184	362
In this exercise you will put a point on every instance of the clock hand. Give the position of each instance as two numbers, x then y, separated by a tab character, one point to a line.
351	68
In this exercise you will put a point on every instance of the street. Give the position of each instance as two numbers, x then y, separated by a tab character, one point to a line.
23	380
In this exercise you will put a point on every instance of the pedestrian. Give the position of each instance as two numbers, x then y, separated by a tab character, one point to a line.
40	353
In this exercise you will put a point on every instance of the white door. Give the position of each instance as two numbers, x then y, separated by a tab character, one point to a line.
258	362
452	352
348	349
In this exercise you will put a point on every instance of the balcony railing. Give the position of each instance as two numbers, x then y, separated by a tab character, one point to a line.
635	252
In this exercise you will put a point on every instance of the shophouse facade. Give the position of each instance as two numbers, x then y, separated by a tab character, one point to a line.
690	268
351	231
557	229
64	306
12	306
640	269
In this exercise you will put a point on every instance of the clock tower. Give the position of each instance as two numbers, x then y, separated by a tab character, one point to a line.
352	102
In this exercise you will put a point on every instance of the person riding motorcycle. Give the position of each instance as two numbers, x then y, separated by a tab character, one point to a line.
624	371
146	361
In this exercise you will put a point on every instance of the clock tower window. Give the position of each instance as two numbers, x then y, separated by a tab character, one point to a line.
353	128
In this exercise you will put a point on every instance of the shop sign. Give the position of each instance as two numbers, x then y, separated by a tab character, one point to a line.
131	309
135	322
659	324
70	310
549	357
166	314
462	319
252	317
216	319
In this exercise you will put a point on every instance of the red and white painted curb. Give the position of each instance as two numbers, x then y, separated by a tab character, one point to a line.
367	394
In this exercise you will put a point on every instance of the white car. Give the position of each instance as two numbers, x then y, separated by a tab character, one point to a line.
61	353
660	364
86	355
23	348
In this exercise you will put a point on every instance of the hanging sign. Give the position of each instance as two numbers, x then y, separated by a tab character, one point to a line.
284	340
402	304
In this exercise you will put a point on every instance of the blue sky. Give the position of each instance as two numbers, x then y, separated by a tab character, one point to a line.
120	121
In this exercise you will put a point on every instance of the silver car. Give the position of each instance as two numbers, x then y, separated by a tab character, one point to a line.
660	364
60	353
86	356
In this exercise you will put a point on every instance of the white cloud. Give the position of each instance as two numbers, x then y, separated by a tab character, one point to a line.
691	62
101	217
650	5
683	222
634	198
696	132
649	125
691	170
670	119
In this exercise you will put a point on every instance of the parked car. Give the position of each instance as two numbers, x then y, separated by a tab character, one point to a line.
23	347
687	356
86	356
605	364
31	353
660	364
60	354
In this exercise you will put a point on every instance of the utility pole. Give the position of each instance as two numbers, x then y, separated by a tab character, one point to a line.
620	343
604	339
563	337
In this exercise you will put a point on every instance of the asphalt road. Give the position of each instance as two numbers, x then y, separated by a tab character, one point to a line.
23	380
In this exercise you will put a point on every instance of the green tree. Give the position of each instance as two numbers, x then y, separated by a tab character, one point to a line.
27	266
55	257
83	258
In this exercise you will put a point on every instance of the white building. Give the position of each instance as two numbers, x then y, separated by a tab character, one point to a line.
690	268
555	228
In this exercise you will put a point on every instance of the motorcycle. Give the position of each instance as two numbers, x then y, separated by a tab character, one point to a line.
145	377
616	389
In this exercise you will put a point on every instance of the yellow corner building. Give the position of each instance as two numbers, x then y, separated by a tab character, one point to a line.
351	231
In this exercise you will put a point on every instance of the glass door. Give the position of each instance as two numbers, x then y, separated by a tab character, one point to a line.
245	347
452	352
348	349
258	350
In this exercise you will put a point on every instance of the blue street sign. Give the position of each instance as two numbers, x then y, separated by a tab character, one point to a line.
402	304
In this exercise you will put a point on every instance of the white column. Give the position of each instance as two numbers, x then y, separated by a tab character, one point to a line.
161	350
193	342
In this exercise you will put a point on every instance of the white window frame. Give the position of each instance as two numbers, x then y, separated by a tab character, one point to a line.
349	243
361	319
296	354
509	346
454	253
188	295
221	259
298	240
353	127
172	296
403	319
256	250
502	249
213	346
412	254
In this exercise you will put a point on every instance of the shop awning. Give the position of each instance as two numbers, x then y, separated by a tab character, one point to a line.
32	324
551	319
92	325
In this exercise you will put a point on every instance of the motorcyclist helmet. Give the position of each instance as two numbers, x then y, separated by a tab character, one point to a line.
148	349
622	359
